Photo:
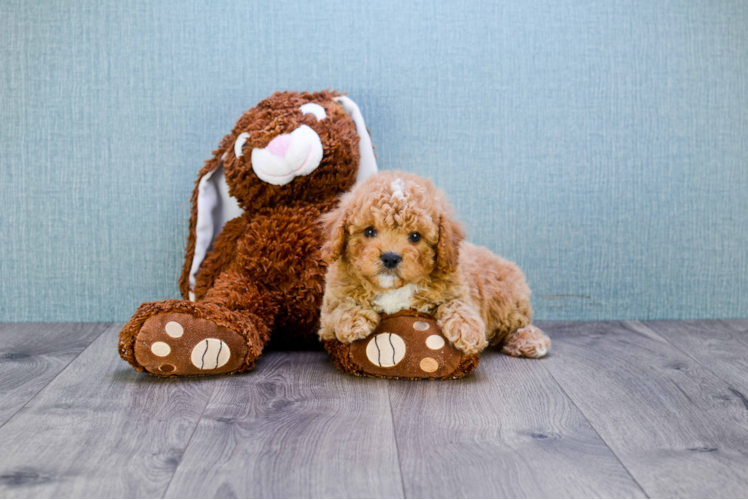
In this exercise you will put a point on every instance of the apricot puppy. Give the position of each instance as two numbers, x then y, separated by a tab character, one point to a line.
393	245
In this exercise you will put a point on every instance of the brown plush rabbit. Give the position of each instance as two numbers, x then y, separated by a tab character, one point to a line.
253	269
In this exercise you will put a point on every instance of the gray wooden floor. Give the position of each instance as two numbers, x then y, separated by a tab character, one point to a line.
623	409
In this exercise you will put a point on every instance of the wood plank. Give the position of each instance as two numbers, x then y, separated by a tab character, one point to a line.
679	430
506	431
720	345
32	354
100	429
297	428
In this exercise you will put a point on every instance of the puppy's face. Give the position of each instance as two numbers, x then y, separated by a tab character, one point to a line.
393	230
391	256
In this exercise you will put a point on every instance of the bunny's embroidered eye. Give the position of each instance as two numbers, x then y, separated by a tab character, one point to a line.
239	144
414	237
370	232
314	109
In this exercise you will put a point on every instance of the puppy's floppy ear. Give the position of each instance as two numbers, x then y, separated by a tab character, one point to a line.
448	246
333	229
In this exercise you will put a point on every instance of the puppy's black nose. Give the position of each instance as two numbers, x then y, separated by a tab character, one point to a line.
391	260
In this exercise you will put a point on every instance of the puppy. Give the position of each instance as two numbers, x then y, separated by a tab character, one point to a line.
393	245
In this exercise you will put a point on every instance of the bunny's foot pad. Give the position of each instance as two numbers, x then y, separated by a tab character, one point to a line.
178	344
405	345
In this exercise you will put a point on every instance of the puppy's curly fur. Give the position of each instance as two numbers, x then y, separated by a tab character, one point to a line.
476	297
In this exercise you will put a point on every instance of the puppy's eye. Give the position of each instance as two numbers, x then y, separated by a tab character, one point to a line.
414	237
370	232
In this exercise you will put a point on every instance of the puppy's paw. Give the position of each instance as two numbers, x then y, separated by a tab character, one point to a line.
352	326
527	342
465	330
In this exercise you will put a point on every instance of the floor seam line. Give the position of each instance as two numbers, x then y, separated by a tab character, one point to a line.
571	400
106	329
189	441
394	436
687	354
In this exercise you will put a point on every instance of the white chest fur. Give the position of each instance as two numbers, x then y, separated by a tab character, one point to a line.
395	300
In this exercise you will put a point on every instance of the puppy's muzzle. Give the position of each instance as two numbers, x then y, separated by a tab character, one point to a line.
391	260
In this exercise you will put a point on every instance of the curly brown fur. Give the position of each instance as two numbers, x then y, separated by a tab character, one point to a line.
476	296
264	275
276	115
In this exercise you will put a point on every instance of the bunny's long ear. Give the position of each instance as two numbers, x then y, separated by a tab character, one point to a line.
367	165
212	208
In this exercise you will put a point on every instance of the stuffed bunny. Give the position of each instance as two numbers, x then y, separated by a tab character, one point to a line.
253	269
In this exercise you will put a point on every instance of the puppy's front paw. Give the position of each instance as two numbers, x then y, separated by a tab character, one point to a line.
527	342
352	326
465	330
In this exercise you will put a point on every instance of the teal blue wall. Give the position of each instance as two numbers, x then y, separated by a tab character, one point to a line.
602	145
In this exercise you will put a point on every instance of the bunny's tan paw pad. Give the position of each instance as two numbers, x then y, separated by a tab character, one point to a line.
171	344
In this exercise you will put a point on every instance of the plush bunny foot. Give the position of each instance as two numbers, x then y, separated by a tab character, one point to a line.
406	345
180	338
172	344
527	342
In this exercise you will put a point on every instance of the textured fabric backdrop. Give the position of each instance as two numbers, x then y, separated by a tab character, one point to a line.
601	145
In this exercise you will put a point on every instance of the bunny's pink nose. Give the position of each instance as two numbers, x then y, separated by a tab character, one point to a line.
279	146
